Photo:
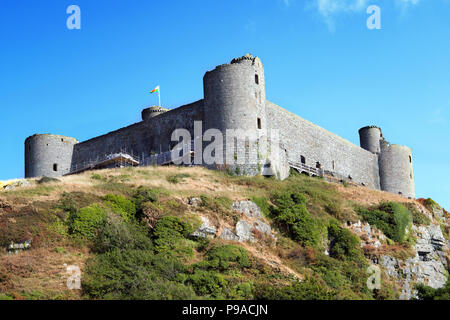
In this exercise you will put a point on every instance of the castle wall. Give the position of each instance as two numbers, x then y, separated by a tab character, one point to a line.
142	138
303	138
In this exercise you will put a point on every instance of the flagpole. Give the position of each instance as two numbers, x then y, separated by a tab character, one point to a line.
159	96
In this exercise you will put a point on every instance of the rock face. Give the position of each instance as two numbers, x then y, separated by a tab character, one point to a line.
252	220
249	208
370	236
428	266
228	234
206	230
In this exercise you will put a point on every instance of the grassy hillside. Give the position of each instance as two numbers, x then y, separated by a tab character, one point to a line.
129	231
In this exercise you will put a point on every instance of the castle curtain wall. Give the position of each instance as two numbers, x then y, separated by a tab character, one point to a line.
303	138
141	138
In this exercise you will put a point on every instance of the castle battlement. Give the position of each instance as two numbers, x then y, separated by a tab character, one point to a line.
235	99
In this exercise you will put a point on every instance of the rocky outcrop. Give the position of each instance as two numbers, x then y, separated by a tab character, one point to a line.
252	220
206	230
369	235
428	266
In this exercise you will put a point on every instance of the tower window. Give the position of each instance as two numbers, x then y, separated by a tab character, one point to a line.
259	123
256	79
318	165
55	167
333	163
302	159
410	159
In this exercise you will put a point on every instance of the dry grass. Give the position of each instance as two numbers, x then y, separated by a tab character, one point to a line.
41	273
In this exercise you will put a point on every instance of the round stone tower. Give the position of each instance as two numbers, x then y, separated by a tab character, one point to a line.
234	95
370	138
234	98
396	169
152	112
48	155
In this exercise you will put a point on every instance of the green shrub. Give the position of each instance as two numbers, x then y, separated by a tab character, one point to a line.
310	289
418	217
429	293
87	221
221	204
121	205
169	236
135	275
343	244
176	178
207	283
292	215
96	176
263	204
116	234
223	257
390	217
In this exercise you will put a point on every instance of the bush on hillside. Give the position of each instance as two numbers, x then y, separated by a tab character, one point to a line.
343	244
222	257
390	217
134	275
87	221
291	214
121	205
116	234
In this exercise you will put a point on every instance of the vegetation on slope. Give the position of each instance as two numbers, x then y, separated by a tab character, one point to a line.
130	231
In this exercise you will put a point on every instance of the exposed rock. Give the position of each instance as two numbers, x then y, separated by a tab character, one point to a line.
427	267
193	201
390	265
244	231
438	211
18	183
249	208
228	234
206	230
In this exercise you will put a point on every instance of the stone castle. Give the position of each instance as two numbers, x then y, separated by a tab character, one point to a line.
234	98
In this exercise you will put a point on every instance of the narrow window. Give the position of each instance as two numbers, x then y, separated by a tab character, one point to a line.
302	159
410	159
318	166
55	167
256	79
411	176
334	165
259	123
62	140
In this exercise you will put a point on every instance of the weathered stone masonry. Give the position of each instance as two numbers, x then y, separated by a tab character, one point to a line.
234	98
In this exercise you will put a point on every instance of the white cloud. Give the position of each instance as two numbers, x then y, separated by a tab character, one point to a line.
328	9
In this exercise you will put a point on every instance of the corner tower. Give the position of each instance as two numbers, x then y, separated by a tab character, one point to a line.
48	155
396	169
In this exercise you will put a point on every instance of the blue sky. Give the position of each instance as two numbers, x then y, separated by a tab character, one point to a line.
321	62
